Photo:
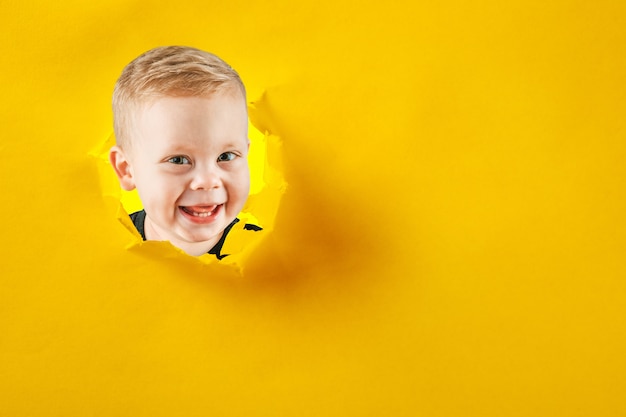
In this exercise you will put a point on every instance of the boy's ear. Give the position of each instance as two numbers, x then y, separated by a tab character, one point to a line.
122	168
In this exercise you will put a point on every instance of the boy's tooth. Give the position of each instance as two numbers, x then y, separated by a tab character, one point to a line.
202	214
203	209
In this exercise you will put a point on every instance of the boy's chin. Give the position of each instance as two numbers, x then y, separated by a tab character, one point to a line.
197	245
209	234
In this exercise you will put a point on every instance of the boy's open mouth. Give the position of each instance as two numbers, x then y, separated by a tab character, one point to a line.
201	211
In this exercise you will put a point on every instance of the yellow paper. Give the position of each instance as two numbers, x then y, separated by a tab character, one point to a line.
451	242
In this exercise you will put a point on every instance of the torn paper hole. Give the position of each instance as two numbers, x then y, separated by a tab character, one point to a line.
256	220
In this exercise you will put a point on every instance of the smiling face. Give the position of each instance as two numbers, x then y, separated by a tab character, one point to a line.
188	161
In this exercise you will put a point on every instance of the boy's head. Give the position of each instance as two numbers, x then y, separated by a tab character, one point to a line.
182	141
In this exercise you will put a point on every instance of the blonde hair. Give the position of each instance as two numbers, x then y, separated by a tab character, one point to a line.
168	71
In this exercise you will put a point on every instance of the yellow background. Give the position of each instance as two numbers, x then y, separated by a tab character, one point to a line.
451	242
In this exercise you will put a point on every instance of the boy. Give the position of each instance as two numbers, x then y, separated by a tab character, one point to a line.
181	127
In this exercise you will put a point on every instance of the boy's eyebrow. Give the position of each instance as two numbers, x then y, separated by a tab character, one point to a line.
178	147
235	144
182	147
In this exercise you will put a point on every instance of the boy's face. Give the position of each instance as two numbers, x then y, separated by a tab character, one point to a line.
188	161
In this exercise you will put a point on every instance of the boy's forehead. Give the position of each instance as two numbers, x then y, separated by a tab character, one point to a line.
146	103
143	120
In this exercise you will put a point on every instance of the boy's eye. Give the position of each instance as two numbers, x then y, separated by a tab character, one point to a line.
178	160
226	156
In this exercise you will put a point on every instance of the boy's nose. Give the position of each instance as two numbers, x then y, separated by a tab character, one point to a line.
205	179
